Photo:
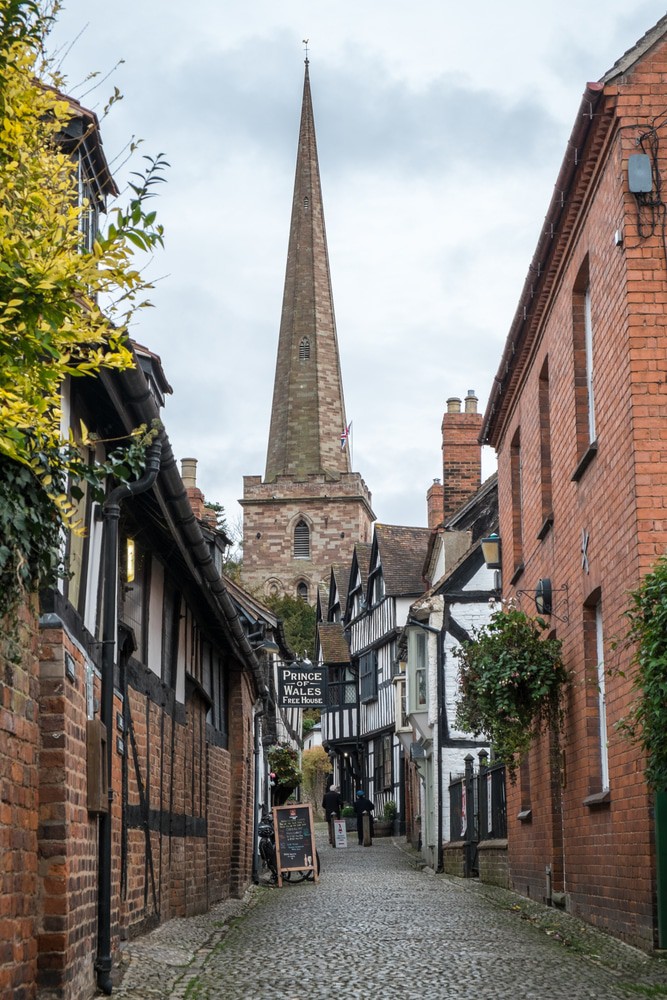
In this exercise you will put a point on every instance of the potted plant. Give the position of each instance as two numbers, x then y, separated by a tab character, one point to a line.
384	827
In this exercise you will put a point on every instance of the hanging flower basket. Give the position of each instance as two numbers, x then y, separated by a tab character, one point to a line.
511	677
283	761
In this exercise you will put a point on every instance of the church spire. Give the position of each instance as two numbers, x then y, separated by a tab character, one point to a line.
308	411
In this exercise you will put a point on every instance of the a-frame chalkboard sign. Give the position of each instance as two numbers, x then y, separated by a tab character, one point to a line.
295	840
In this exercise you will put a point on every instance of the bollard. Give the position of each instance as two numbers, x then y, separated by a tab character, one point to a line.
366	821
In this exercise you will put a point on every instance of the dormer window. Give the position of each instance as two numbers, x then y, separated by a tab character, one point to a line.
302	541
304	349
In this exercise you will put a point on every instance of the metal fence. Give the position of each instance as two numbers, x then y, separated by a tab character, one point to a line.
477	807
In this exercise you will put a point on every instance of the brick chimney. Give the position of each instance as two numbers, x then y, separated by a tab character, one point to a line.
434	504
461	452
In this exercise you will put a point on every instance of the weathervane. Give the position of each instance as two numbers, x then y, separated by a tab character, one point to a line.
305	43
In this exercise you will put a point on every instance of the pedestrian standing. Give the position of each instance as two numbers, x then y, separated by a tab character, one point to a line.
362	805
332	803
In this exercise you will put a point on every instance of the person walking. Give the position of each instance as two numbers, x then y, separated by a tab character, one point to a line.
332	803
362	805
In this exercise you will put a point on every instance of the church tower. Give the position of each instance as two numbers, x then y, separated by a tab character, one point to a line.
310	508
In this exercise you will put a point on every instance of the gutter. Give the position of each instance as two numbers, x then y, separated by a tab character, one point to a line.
538	267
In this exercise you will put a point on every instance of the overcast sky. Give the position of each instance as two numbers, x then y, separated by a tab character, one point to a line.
441	127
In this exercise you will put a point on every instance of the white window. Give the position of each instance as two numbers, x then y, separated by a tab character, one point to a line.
417	667
602	699
588	339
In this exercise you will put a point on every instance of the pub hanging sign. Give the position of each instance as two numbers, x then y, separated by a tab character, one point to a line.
300	685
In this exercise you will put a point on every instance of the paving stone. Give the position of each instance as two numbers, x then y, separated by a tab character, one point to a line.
378	925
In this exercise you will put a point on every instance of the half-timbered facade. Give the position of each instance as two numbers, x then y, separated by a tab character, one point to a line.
375	618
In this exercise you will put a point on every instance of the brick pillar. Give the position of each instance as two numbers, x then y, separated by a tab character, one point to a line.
461	452
435	504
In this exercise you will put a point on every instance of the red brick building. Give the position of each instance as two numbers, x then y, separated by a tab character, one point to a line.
578	416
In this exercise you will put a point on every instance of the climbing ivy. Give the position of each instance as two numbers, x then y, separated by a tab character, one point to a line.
646	723
31	537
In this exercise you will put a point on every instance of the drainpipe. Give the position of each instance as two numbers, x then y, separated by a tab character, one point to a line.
111	517
259	712
439	643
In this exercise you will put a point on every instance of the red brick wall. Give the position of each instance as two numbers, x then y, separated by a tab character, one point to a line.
67	833
197	793
19	747
619	502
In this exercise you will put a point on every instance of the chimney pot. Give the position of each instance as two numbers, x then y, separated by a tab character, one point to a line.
471	402
453	404
189	473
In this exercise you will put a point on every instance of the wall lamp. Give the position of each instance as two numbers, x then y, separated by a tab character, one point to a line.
543	595
263	645
492	552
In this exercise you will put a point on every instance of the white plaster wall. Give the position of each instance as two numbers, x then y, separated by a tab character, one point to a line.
155	617
469	617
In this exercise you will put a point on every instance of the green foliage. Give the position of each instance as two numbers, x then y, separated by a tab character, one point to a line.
390	811
311	717
510	678
346	812
298	618
52	327
315	762
31	550
284	766
646	724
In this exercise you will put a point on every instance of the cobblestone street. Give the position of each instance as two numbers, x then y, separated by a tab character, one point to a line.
377	925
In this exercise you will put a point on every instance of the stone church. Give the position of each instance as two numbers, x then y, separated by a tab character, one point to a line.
310	507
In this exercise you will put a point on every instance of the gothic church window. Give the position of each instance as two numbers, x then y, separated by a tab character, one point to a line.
304	349
302	591
302	541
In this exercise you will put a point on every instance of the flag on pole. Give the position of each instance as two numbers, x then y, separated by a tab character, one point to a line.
345	435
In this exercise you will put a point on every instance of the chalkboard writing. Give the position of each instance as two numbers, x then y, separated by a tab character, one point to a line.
295	839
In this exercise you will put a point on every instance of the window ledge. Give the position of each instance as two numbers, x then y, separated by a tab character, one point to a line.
585	461
525	816
517	574
598	799
546	527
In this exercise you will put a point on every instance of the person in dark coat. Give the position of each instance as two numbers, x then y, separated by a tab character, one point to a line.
363	805
332	803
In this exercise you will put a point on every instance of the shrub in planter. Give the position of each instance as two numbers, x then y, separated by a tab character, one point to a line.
390	811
